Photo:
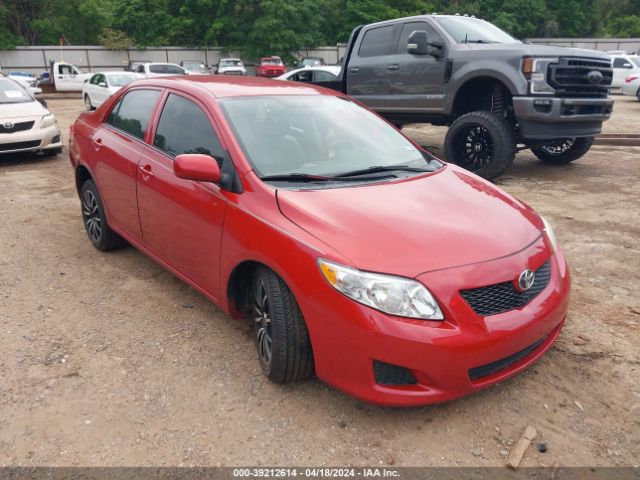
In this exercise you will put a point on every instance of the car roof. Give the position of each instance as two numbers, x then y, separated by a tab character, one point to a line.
335	69
234	86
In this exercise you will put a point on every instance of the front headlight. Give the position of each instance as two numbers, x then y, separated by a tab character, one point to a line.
548	231
535	70
48	120
389	294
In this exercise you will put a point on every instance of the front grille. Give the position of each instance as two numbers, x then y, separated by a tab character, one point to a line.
503	297
17	127
387	374
5	147
569	77
493	367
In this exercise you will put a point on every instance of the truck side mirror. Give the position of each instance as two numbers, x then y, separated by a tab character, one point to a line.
417	43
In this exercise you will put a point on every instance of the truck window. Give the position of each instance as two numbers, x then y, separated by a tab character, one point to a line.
410	27
620	62
376	42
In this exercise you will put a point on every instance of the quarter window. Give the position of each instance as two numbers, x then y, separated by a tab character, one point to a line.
185	128
376	42
131	114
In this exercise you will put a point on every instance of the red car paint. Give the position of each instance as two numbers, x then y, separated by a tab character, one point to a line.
270	67
450	230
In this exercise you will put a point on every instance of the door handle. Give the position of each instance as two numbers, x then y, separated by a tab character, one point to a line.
393	66
97	143
146	171
354	69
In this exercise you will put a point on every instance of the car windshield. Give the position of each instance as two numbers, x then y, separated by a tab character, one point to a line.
636	60
120	79
194	66
12	92
317	135
474	30
230	63
271	61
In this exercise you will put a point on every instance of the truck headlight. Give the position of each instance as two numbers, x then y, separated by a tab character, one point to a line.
535	70
389	294
548	231
48	120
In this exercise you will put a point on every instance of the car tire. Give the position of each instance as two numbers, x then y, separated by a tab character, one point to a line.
564	151
95	220
281	335
481	142
87	103
638	94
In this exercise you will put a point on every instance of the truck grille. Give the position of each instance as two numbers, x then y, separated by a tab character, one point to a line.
503	297
569	77
17	127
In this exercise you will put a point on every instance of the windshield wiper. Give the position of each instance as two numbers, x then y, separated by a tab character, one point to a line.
296	177
379	169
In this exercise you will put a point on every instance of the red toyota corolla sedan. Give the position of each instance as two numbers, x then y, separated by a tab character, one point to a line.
356	255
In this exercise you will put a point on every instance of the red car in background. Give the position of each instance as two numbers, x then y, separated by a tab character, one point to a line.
271	67
354	253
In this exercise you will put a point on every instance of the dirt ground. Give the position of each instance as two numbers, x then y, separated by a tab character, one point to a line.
107	359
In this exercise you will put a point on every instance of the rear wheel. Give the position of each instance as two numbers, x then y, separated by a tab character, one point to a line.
481	142
282	339
563	151
95	221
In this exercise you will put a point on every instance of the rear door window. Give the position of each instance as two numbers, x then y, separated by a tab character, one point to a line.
158	68
132	113
376	42
185	128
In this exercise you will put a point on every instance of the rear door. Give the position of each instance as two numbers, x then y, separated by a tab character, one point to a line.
181	219
117	145
416	82
367	67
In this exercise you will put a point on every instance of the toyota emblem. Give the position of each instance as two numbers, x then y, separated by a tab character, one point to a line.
8	125
525	280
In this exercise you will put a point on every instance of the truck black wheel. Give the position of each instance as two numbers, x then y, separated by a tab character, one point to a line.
282	339
481	142
563	151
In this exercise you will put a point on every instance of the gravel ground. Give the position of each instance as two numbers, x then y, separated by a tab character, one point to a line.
107	359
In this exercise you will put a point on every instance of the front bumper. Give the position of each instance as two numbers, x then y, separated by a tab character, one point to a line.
443	357
553	118
32	140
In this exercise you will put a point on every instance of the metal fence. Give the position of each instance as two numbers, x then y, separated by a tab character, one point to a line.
94	58
629	45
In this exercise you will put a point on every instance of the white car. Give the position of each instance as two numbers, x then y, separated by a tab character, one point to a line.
30	83
194	67
324	73
104	84
151	70
623	66
231	66
25	125
631	86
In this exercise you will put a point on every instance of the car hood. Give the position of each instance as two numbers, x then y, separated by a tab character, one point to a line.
17	110
447	219
530	49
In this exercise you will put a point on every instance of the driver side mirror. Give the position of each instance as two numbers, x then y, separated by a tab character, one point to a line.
418	44
102	84
197	167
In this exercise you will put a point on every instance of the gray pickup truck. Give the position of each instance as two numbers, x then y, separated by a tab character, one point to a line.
496	94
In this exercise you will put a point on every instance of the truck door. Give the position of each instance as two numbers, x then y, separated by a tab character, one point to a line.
67	78
366	70
416	82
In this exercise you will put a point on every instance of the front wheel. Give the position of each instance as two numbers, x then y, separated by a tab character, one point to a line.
87	103
282	339
481	142
563	151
